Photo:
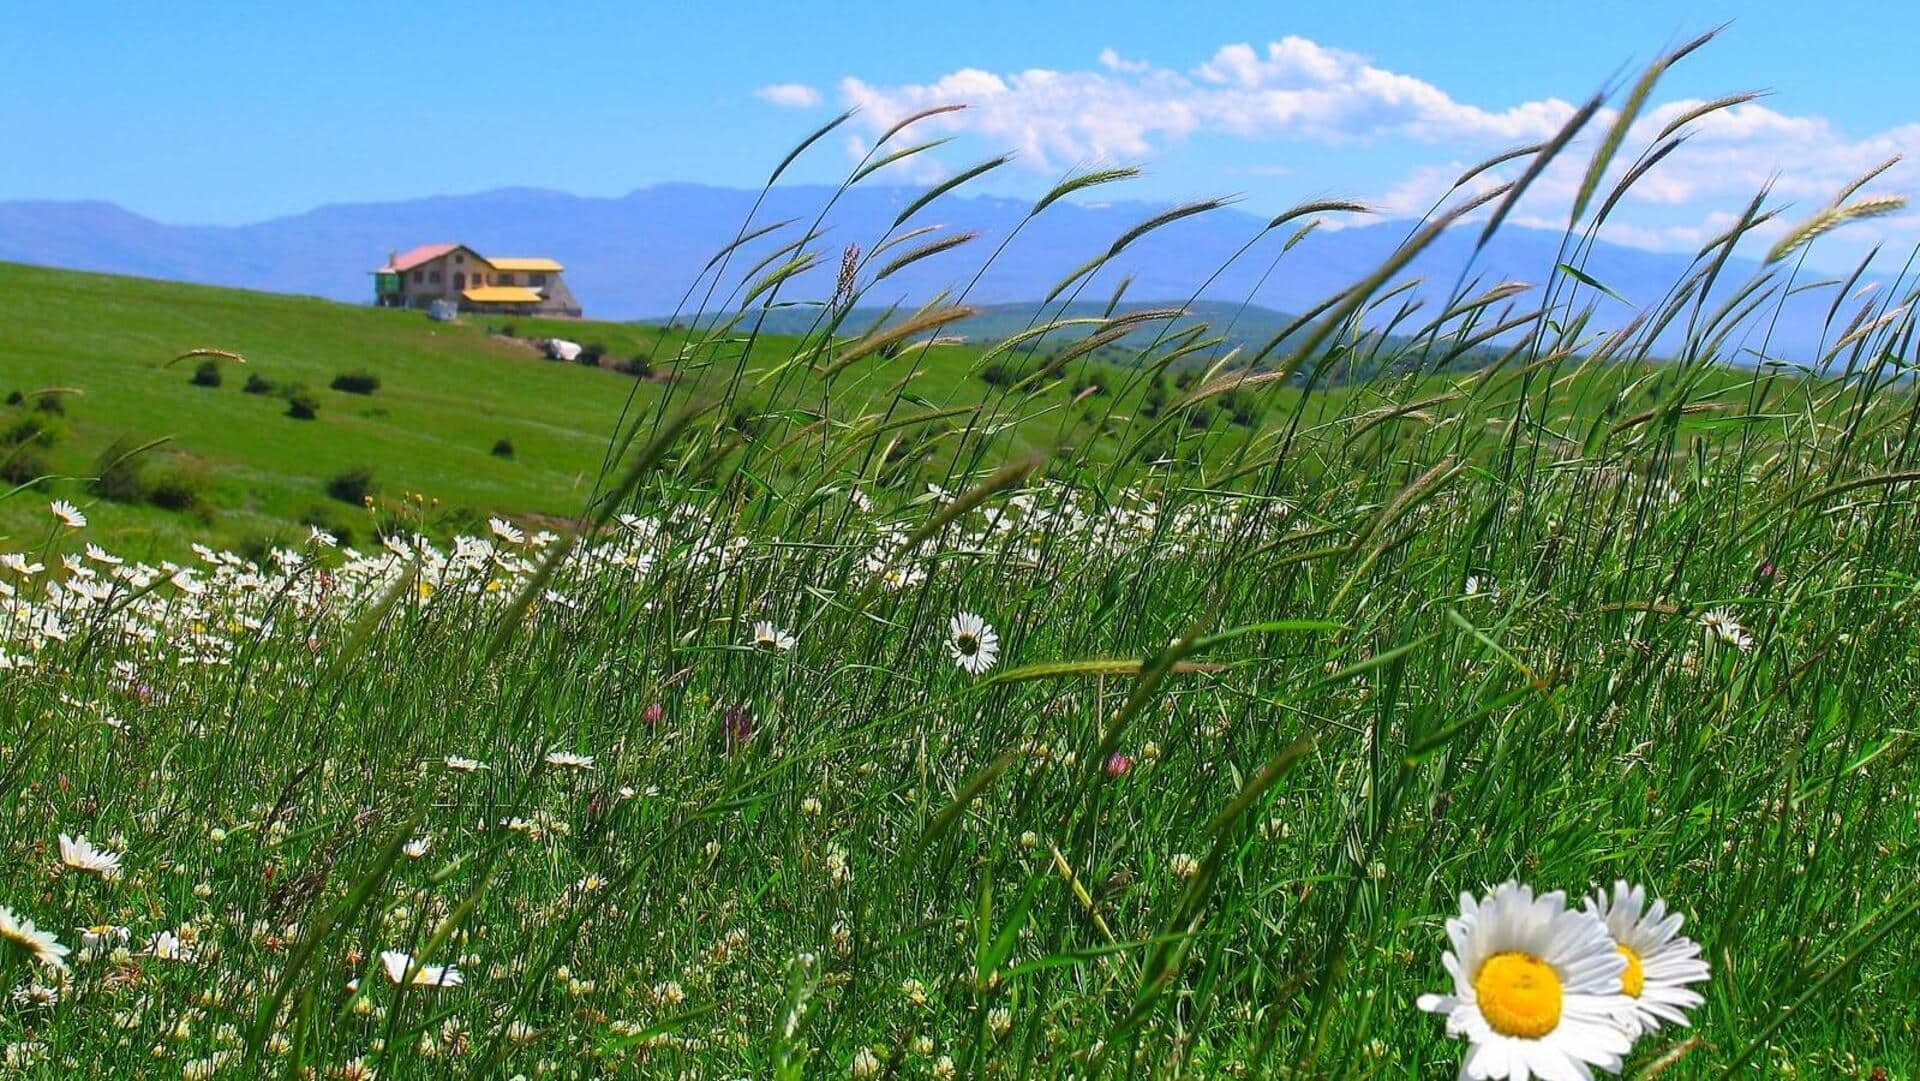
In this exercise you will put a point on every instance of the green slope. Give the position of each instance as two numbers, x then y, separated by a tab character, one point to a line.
448	393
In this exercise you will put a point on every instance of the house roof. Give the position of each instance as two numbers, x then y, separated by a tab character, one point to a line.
413	257
501	294
534	264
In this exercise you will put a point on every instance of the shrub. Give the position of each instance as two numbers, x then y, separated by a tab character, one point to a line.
175	488
16	398
32	429
51	403
637	366
502	448
353	486
358	381
301	404
1003	373
258	384
117	473
21	465
207	374
591	354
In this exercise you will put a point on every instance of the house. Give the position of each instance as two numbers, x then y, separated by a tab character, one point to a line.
472	282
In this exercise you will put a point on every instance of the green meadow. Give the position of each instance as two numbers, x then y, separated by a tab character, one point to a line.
838	704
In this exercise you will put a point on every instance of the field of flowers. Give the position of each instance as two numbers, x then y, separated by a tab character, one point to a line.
1540	719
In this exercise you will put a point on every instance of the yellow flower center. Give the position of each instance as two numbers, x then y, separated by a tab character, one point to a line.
1634	979
1519	995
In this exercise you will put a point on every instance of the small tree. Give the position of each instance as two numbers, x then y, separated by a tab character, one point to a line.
258	384
117	473
358	381
503	448
353	486
175	488
207	374
301	404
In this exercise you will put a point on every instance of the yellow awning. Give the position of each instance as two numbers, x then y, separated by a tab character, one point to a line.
502	294
550	266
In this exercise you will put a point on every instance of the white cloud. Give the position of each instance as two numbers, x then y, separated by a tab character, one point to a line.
1692	195
789	95
1128	109
1294	89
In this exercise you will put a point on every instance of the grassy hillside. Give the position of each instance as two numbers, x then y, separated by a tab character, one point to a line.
447	394
1163	739
105	348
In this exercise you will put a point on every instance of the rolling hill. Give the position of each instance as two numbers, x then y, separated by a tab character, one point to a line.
87	363
636	255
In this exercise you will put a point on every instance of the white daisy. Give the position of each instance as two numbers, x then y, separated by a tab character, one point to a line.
104	934
465	765
1536	988
974	645
101	555
22	935
69	514
1720	623
506	530
83	855
1661	962
569	760
416	848
399	965
166	946
767	636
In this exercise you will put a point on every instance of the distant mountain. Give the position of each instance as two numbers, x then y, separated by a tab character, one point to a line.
636	255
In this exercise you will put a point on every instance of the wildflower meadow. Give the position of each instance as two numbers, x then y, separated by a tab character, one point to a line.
1509	692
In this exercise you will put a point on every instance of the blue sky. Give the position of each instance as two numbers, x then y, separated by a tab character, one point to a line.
207	113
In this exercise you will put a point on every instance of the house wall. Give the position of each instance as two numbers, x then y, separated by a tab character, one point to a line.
443	278
559	299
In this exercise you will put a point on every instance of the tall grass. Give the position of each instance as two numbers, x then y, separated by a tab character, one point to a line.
1267	698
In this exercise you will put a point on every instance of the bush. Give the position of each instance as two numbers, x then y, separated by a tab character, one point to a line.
353	486
502	448
51	403
258	384
358	381
175	488
301	404
117	473
16	398
207	374
23	465
637	366
32	429
591	354
1003	373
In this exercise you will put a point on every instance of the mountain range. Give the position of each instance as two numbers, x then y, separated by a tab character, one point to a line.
634	256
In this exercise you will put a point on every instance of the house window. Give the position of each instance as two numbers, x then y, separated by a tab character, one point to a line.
459	258
419	276
536	279
459	281
506	279
434	277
